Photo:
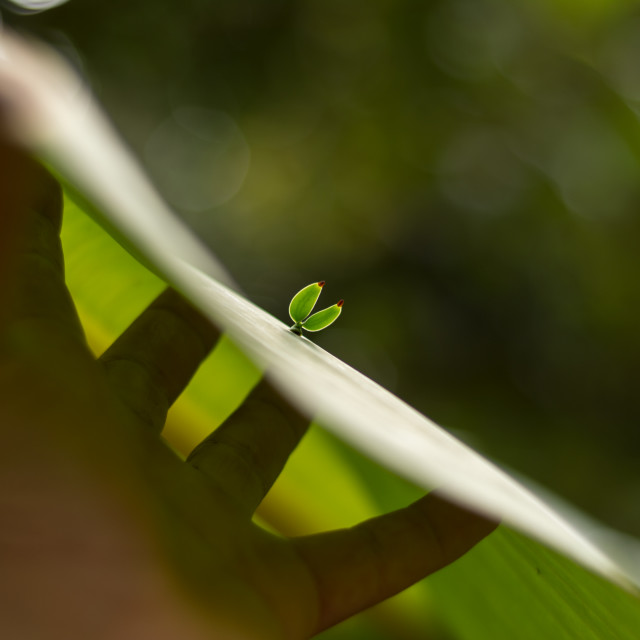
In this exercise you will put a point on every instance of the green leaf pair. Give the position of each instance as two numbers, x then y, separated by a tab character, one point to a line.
302	304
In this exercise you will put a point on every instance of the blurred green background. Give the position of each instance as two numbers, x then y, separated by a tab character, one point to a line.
464	173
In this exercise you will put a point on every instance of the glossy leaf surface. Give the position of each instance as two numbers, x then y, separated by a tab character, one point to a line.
303	302
323	318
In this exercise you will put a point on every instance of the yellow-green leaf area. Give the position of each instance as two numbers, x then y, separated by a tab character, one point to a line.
323	318
303	302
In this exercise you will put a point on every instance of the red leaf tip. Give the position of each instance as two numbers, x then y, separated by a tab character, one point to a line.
340	303
321	283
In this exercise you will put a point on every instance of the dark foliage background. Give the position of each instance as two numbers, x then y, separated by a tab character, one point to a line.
465	173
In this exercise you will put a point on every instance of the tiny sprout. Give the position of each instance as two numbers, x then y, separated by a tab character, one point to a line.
302	305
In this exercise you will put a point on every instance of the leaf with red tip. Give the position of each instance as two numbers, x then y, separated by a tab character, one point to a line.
303	302
323	318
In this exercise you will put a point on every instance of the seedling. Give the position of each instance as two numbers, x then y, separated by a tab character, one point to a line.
302	305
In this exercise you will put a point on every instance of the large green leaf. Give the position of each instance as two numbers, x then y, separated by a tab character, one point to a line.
510	586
